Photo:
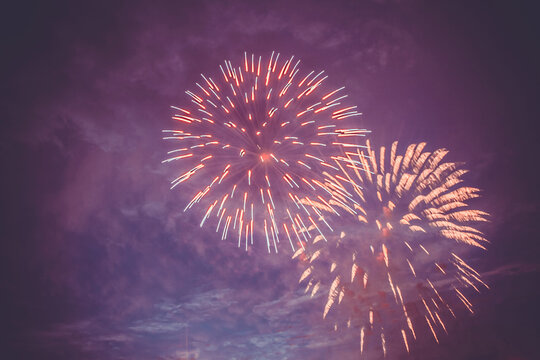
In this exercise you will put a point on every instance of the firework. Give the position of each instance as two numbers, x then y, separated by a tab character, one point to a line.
397	268
255	142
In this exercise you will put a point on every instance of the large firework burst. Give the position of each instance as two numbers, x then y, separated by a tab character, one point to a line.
397	265
255	142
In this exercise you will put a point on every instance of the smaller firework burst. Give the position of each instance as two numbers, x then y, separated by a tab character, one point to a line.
396	268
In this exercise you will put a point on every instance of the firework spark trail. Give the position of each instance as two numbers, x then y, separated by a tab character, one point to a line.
409	217
256	142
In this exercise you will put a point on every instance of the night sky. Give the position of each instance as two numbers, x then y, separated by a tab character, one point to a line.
100	262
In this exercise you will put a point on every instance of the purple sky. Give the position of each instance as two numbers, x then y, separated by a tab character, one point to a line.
98	261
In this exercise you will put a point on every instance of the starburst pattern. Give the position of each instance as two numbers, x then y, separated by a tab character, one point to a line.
396	266
255	142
